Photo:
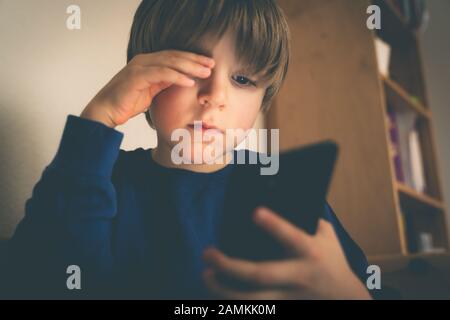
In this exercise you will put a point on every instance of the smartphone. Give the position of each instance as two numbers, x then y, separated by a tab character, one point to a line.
297	192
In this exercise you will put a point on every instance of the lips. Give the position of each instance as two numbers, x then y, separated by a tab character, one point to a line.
205	126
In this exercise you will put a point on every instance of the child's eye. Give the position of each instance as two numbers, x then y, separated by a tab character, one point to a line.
242	80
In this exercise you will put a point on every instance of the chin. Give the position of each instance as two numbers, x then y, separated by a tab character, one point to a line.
204	153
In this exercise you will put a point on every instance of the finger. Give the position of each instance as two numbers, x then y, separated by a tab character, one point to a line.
294	239
143	77
182	64
326	228
284	273
207	61
150	58
222	291
192	56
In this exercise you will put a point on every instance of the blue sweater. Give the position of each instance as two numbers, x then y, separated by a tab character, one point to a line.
135	228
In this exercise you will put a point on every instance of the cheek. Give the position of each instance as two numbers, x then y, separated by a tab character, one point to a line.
246	112
170	108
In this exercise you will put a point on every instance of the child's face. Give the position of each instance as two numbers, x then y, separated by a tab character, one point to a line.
232	102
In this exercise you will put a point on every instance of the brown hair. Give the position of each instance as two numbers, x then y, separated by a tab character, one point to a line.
262	34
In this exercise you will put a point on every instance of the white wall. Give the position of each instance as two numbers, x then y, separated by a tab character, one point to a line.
436	55
48	72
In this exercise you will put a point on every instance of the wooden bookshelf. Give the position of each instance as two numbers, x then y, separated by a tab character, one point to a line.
397	262
401	99
334	90
418	197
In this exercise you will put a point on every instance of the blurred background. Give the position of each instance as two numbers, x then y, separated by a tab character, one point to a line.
383	95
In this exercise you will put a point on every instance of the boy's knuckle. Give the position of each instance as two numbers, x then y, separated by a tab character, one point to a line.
305	278
260	276
312	278
181	77
137	59
294	235
132	71
170	59
171	54
314	253
158	70
176	62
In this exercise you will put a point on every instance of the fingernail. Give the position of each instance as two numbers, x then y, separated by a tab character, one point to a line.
205	71
190	81
261	213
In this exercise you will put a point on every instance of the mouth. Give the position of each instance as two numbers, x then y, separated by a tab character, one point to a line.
203	126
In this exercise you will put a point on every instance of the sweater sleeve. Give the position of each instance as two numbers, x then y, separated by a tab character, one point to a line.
68	219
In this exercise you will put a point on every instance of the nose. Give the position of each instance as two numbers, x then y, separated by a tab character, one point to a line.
212	91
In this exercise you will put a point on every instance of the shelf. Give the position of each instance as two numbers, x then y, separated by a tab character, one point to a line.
390	263
403	257
429	255
421	198
401	99
422	214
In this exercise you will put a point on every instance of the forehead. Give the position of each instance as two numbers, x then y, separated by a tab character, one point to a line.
211	47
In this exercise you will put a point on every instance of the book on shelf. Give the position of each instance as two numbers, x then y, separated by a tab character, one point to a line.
394	144
383	54
405	148
418	177
426	243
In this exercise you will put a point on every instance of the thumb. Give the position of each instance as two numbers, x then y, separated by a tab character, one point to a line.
325	228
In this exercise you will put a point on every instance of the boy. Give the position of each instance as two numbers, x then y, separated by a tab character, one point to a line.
139	225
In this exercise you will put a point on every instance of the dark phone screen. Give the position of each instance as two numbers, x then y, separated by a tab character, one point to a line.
297	192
